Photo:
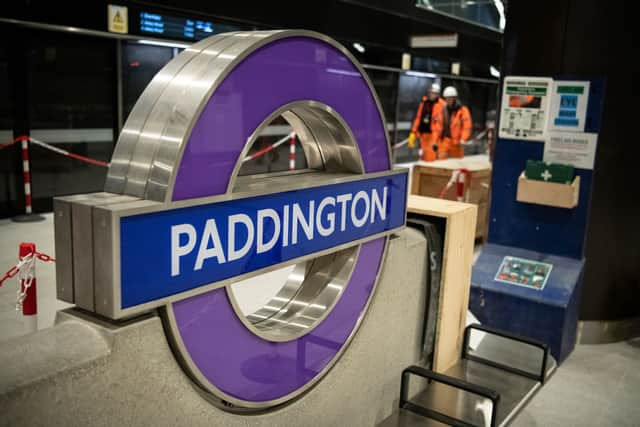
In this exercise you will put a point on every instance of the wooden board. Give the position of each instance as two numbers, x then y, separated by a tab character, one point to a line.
455	283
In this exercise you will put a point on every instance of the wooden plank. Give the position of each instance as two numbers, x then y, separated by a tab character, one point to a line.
456	273
435	207
473	163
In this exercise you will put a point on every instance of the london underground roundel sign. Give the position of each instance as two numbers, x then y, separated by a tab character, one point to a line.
196	226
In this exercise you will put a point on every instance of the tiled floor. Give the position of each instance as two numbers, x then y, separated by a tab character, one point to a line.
598	385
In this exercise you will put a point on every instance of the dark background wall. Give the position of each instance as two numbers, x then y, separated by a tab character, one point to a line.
590	38
383	26
73	88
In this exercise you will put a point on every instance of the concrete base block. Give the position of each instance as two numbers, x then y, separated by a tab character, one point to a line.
87	372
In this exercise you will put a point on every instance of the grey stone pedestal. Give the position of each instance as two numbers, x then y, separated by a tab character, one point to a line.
87	372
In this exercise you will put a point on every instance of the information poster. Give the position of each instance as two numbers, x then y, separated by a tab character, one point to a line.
525	107
569	106
524	272
571	148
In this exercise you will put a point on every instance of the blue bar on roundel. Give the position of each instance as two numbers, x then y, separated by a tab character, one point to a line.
169	252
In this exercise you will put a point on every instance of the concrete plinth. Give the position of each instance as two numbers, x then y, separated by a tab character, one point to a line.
87	372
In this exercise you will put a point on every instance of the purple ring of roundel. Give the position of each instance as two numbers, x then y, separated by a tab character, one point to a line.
227	354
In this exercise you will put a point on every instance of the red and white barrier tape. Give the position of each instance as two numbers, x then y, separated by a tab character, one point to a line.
24	139
462	179
401	143
14	141
269	148
69	154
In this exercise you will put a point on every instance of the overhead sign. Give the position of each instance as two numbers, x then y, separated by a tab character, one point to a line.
569	106
525	108
118	19
571	148
180	27
436	40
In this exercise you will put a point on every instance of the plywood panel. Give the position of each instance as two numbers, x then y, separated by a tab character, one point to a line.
459	239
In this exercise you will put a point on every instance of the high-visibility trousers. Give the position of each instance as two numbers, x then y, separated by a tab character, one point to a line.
427	143
452	148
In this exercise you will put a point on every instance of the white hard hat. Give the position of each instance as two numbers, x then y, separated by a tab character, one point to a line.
435	88
449	91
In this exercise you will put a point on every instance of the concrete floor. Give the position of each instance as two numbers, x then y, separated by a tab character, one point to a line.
598	385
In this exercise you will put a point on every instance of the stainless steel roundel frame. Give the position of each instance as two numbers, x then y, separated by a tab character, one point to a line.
314	287
146	162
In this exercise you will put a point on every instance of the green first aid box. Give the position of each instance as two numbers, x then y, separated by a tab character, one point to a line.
550	172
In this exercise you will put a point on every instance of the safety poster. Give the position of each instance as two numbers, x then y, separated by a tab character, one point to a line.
569	106
524	272
525	107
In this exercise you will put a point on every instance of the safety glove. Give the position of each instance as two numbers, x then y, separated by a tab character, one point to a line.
412	140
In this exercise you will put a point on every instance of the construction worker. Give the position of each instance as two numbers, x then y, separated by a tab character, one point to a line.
422	124
451	125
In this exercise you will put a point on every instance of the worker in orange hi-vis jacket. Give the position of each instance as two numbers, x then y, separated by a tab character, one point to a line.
422	124
451	125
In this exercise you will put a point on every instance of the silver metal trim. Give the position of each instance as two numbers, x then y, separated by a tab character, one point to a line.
330	145
169	153
177	109
83	260
299	314
128	139
281	183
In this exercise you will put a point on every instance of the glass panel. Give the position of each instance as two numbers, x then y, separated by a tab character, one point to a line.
412	88
489	13
73	95
480	98
386	86
140	63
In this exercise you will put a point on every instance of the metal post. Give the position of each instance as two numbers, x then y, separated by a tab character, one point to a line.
30	302
292	152
28	215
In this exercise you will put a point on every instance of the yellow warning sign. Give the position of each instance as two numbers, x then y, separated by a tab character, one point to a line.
118	19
